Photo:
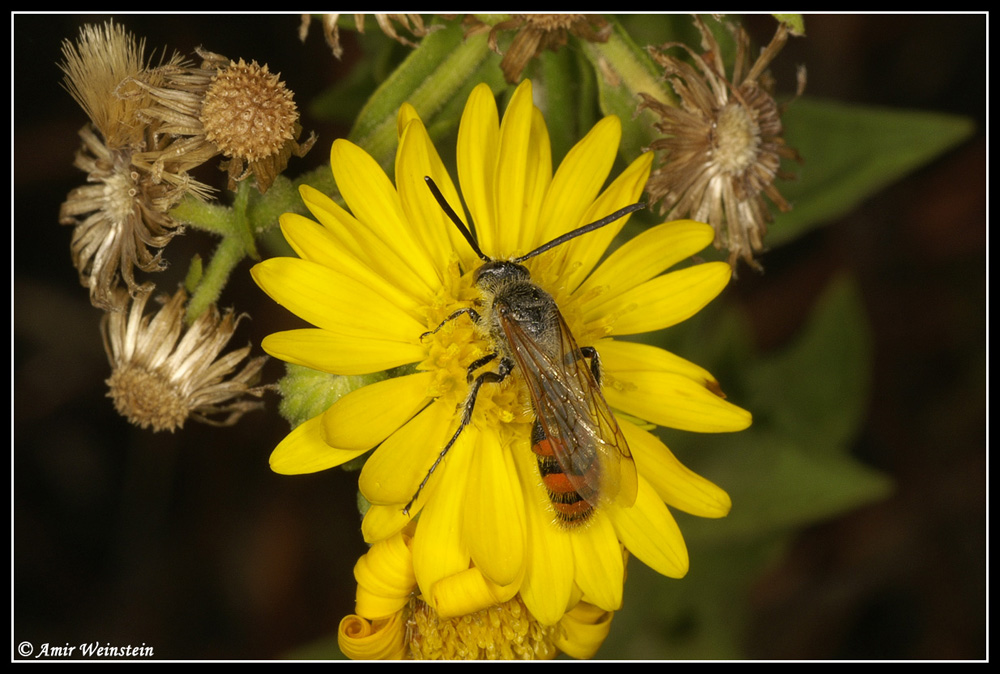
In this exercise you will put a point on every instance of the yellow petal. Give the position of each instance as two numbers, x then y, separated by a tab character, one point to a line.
494	516
579	178
357	239
478	137
600	567
312	242
583	630
582	253
365	417
645	256
439	550
675	483
674	401
384	521
394	471
304	451
514	181
384	639
649	532
619	356
538	167
548	580
335	301
340	354
372	198
416	159
665	300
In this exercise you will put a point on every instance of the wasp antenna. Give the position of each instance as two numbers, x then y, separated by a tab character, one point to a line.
559	240
450	212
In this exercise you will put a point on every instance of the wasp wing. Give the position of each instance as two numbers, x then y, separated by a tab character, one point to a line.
585	436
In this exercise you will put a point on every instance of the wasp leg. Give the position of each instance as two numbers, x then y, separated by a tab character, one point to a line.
504	369
478	363
472	313
595	361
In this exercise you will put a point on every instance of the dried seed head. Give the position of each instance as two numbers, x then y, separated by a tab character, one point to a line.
249	115
100	69
248	112
537	32
723	145
117	217
163	373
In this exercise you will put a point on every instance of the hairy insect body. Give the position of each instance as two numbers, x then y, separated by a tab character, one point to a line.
583	457
509	295
573	427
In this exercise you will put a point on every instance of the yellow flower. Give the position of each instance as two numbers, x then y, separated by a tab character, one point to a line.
392	622
374	282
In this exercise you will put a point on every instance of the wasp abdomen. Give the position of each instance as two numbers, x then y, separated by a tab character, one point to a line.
571	506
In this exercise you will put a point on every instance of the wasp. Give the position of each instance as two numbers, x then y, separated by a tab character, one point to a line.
582	455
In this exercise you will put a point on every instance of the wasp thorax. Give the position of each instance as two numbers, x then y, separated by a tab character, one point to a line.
496	272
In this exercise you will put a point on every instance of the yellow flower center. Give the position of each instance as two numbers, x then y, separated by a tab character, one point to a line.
737	139
457	344
503	632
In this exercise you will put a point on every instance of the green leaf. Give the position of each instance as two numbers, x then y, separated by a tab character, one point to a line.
793	466
624	70
851	152
815	391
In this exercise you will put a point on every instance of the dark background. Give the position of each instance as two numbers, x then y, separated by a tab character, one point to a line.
189	544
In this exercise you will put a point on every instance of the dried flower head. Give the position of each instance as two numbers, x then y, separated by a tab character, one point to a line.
413	23
723	142
135	176
249	114
101	70
117	218
160	378
240	110
537	32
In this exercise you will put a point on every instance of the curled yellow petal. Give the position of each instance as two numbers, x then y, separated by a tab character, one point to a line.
583	630
385	578
383	639
466	592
